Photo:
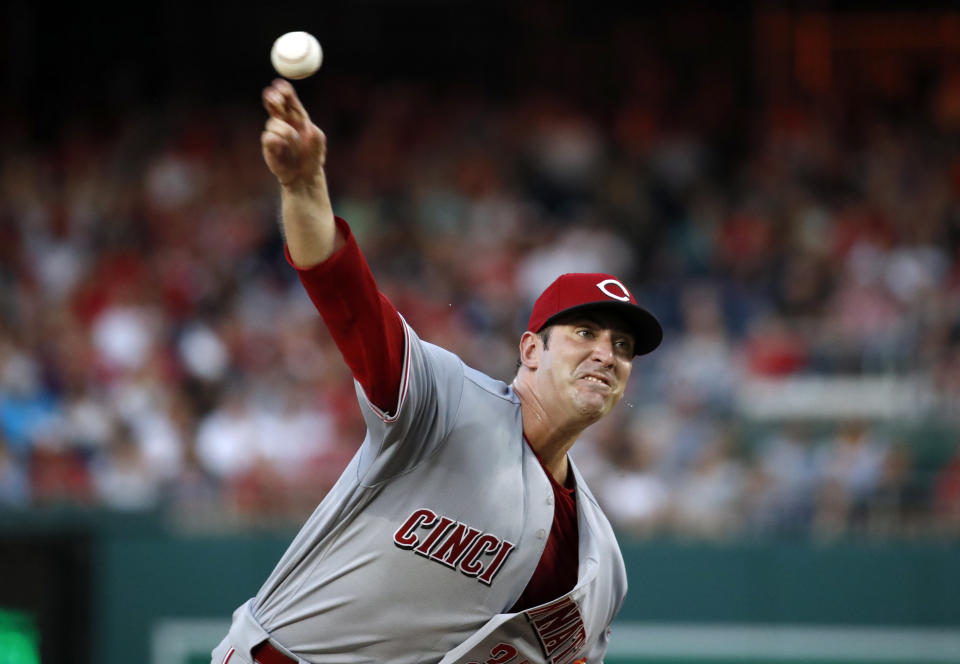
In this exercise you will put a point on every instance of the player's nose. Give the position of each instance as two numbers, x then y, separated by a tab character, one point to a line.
603	350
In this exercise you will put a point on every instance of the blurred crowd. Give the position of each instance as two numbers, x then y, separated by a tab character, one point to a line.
157	352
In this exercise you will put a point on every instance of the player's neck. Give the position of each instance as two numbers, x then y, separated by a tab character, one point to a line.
550	437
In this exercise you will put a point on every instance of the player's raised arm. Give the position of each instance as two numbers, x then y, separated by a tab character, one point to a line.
295	151
365	326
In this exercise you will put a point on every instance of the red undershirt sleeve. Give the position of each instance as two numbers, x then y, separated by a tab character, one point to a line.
364	324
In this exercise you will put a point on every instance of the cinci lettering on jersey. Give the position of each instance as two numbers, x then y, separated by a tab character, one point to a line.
454	544
560	629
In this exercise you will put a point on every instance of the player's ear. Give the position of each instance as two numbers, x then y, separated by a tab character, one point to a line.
530	348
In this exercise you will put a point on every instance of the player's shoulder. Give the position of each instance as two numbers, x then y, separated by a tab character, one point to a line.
453	365
489	385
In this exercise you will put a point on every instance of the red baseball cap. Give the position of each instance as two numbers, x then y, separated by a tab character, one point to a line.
583	291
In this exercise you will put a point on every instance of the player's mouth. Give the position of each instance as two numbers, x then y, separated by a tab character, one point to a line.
596	379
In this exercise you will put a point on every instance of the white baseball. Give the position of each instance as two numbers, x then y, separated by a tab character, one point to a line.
296	55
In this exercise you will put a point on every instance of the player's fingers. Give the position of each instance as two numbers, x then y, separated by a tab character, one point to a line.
296	114
268	140
274	144
273	101
281	158
282	129
280	101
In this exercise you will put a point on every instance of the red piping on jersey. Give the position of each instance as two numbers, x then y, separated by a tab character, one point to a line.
405	381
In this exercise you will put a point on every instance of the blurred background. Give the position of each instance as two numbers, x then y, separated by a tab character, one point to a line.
778	181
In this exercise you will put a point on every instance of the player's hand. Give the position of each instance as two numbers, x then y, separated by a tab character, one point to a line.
294	148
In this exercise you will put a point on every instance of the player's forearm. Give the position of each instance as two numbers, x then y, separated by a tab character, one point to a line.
308	226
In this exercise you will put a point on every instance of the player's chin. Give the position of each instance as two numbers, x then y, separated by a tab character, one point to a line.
594	404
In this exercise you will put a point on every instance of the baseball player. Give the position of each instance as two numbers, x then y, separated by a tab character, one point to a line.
460	532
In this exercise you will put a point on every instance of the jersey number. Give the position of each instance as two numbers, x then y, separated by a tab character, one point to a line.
502	653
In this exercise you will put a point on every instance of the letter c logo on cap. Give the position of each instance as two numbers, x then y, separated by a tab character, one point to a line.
624	296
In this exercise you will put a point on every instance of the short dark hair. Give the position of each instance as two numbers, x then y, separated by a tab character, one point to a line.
544	335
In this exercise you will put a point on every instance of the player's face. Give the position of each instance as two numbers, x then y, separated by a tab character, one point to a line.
586	364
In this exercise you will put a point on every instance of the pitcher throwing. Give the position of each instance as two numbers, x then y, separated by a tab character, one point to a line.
460	531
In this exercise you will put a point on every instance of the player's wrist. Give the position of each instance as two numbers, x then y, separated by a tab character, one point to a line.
302	184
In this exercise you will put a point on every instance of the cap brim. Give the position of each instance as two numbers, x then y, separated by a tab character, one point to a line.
646	329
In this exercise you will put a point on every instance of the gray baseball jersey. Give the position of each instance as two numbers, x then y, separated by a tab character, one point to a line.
429	536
